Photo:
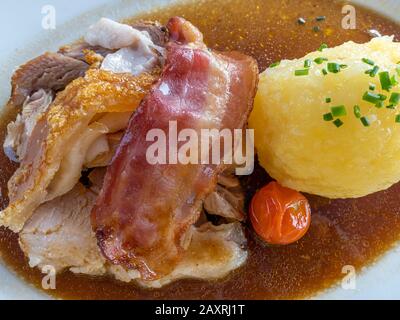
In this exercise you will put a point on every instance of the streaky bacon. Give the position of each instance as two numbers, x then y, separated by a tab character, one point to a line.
143	214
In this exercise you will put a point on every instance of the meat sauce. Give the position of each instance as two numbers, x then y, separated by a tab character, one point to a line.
343	232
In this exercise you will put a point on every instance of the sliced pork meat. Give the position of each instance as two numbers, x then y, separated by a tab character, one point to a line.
78	50
49	72
213	252
56	149
19	131
137	53
144	213
59	234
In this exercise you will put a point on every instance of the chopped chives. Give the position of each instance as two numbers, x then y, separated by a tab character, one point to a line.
343	66
365	121
372	87
320	60
397	119
328	100
374	71
301	21
357	112
390	106
302	72
395	98
333	67
324	72
322	47
394	80
316	29
320	18
338	123
307	63
368	61
328	117
398	71
386	83
382	97
275	64
338	111
372	97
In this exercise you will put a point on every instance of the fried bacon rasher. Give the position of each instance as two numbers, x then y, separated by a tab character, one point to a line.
144	212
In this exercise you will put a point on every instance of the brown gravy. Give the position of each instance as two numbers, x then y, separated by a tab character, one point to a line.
343	232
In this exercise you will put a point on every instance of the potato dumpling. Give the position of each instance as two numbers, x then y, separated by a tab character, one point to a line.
350	155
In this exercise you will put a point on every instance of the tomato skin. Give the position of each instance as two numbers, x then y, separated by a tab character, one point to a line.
280	215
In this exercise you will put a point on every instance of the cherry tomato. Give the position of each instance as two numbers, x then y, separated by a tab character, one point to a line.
280	215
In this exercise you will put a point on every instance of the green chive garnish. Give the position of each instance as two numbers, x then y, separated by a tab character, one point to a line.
365	121
328	100
338	123
343	66
301	21
328	117
374	71
333	67
322	47
275	64
394	81
307	63
398	71
395	98
320	60
338	111
397	119
302	72
372	87
371	97
390	106
368	61
320	18
382	97
357	112
324	72
386	83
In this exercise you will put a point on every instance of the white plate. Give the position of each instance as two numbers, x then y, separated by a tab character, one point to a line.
23	37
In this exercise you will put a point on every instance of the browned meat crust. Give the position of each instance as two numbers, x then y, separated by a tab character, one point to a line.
50	72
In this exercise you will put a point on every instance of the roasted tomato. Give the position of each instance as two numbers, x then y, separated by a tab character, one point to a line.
280	215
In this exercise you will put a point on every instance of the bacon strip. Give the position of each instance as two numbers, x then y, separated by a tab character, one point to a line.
144	212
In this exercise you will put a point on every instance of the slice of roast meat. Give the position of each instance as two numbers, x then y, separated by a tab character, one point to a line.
213	252
78	50
19	131
137	52
54	71
144	213
89	108
59	234
49	72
